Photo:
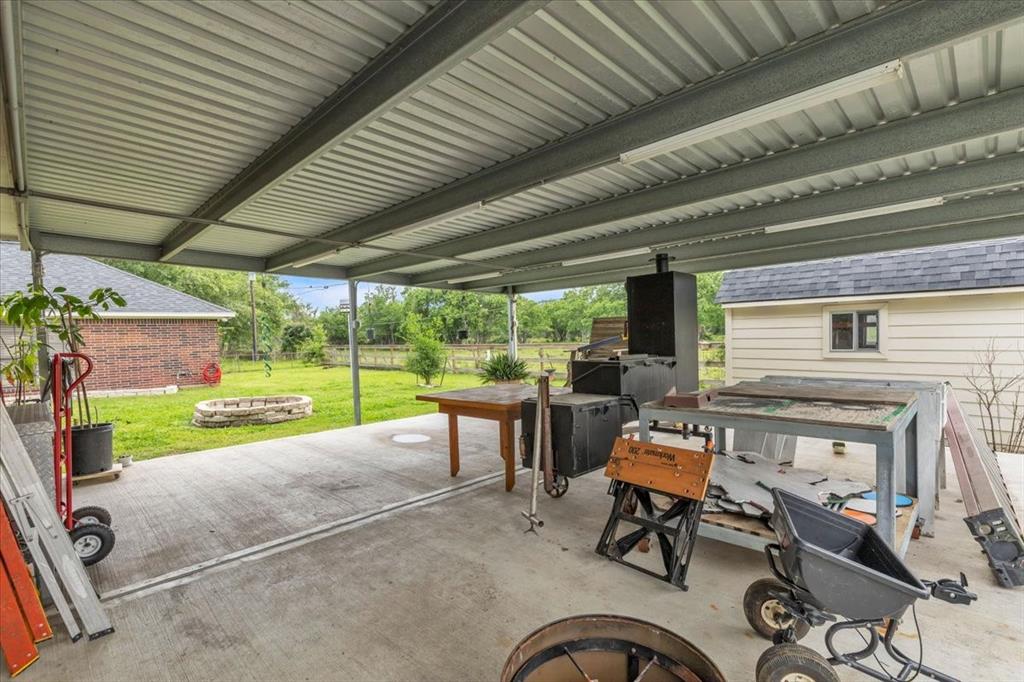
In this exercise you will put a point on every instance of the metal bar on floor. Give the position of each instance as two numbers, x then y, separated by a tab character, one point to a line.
353	348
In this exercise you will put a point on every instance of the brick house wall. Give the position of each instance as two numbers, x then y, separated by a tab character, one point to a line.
149	353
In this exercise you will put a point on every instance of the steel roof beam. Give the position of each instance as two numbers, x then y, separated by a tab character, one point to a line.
1000	171
441	39
901	30
109	248
955	212
937	129
995	228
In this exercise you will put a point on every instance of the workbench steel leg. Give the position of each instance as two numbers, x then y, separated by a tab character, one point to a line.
719	439
453	443
886	455
507	436
645	427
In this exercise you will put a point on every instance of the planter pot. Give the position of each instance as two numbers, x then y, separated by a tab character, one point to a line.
509	381
92	449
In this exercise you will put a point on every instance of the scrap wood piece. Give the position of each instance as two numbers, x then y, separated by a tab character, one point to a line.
991	517
742	483
832	394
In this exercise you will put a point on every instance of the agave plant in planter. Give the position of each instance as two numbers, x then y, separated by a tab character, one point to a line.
503	369
56	312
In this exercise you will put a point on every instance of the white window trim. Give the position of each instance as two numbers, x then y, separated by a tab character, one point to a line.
883	331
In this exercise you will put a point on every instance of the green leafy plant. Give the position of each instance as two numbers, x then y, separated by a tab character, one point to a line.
426	358
313	350
503	369
56	312
295	336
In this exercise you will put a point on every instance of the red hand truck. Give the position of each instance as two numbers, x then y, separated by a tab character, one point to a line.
89	527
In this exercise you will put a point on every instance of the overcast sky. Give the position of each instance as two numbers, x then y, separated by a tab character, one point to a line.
327	293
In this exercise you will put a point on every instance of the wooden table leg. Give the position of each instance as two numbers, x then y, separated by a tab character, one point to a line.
453	442
507	436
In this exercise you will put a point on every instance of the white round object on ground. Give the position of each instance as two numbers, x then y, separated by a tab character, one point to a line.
410	438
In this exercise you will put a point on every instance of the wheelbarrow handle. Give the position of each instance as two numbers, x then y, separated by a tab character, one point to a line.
770	550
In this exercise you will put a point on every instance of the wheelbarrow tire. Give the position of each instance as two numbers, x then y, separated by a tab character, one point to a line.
765	613
92	542
794	661
84	515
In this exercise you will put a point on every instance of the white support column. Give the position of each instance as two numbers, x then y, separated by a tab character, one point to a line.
353	348
42	355
513	326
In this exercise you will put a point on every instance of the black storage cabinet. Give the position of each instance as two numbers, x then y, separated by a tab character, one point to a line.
644	379
583	430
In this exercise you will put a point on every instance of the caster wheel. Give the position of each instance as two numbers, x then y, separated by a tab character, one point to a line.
765	612
91	515
561	486
92	542
794	663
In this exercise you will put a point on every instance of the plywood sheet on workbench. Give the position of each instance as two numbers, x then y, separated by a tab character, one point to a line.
853	415
834	394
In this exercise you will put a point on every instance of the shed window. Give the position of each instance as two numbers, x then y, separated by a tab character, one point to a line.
854	330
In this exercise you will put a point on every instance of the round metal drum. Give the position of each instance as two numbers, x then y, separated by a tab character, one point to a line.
610	649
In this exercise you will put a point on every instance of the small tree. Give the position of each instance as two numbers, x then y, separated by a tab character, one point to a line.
426	357
295	336
999	390
314	348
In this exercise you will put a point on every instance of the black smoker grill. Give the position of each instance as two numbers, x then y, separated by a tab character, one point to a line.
583	429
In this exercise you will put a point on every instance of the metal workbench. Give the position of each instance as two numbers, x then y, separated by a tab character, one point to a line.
894	439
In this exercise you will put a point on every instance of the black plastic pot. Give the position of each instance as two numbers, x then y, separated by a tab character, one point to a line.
92	449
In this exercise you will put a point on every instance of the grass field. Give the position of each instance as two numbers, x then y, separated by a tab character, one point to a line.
153	426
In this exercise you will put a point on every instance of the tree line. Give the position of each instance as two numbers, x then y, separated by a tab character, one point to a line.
398	315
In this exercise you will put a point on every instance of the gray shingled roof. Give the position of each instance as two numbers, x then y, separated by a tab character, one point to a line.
977	265
81	275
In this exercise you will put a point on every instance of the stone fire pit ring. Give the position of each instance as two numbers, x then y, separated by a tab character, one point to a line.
222	412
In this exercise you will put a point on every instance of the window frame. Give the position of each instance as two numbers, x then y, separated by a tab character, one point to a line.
856	310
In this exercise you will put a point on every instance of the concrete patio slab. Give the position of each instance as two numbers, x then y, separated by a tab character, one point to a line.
439	591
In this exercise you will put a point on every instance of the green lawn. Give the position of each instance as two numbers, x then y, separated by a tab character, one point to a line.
153	426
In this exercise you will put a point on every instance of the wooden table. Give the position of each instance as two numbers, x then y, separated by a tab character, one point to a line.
501	403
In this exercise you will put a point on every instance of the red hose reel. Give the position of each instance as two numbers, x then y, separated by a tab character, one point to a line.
212	374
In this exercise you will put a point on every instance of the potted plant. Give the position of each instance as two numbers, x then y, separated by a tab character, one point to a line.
503	369
38	316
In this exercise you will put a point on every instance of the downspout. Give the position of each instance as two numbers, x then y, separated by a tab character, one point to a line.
10	37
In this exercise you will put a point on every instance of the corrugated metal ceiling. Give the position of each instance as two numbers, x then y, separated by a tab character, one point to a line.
159	104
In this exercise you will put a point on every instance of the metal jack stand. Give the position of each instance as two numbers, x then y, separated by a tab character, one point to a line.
638	470
539	450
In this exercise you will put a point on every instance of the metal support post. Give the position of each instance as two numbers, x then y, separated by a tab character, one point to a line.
252	314
43	356
353	348
513	326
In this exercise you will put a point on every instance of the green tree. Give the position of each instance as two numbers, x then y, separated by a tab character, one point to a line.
426	356
274	305
334	322
710	315
381	313
294	335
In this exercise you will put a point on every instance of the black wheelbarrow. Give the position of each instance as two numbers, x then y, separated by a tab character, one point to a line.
830	566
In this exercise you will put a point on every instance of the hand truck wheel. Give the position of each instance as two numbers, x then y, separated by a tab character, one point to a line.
561	484
766	614
92	542
84	515
794	663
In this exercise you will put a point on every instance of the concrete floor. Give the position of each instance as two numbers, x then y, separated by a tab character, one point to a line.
441	590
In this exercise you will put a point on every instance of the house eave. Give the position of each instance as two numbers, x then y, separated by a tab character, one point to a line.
111	314
876	297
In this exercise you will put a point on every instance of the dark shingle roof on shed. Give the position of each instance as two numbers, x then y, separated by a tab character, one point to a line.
81	276
977	265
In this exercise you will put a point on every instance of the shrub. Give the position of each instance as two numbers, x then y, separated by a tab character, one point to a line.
502	368
426	358
314	349
294	337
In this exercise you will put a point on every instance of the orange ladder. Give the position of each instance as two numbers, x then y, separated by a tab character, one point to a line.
22	621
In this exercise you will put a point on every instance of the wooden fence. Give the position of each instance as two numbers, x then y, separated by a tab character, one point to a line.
467	358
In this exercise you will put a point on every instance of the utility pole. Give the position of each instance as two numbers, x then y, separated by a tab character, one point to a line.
252	307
